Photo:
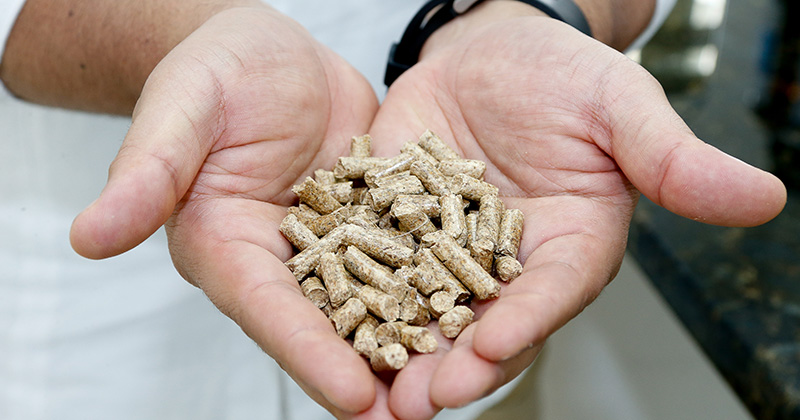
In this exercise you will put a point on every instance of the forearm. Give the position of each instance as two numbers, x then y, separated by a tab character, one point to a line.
96	55
616	23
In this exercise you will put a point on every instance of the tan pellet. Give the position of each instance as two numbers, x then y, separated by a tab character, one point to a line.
510	233
508	268
314	291
441	302
471	221
469	167
412	148
379	303
371	272
381	248
455	320
348	316
490	213
453	218
466	269
320	226
389	332
428	204
411	219
431	178
361	146
437	148
303	212
391	357
482	251
340	191
316	197
297	233
423	278
418	339
382	197
324	177
355	167
445	276
335	277
393	166
471	188
364	341
359	195
306	261
413	312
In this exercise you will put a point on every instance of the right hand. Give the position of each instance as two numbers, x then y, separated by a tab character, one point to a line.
242	109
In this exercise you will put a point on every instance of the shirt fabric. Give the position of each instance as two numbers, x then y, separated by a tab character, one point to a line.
127	338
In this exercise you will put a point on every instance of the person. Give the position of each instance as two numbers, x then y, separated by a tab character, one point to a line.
232	103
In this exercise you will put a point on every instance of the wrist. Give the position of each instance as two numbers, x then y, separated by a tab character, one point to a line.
614	22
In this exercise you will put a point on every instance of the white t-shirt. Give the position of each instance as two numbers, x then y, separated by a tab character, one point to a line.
127	338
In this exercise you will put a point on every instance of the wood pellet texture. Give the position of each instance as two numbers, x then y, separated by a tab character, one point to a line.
387	245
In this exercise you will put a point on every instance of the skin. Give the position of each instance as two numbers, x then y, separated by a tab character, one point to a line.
225	122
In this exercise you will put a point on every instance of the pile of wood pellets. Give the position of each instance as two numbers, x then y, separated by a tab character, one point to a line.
386	245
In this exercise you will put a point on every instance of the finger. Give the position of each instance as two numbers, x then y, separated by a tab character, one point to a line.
672	167
175	124
235	263
451	387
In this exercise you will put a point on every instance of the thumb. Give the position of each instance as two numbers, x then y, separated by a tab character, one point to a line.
664	160
174	125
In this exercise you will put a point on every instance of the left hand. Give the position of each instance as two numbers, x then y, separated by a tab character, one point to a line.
570	130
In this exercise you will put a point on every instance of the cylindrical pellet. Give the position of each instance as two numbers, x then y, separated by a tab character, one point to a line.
381	248
324	177
482	251
314	291
355	167
469	167
431	178
510	233
507	267
428	204
441	302
321	225
297	233
315	196
472	227
434	145
379	303
445	276
490	213
392	357
412	219
361	146
335	277
371	272
413	312
307	260
418	339
389	332
471	188
348	316
453	218
413	148
382	197
393	166
466	269
423	278
455	320
340	191
303	212
364	341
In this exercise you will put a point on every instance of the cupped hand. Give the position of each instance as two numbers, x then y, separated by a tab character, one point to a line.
571	131
242	109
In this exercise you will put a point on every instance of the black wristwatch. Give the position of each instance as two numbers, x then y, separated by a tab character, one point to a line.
435	13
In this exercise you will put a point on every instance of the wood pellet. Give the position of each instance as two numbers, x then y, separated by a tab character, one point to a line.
386	246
